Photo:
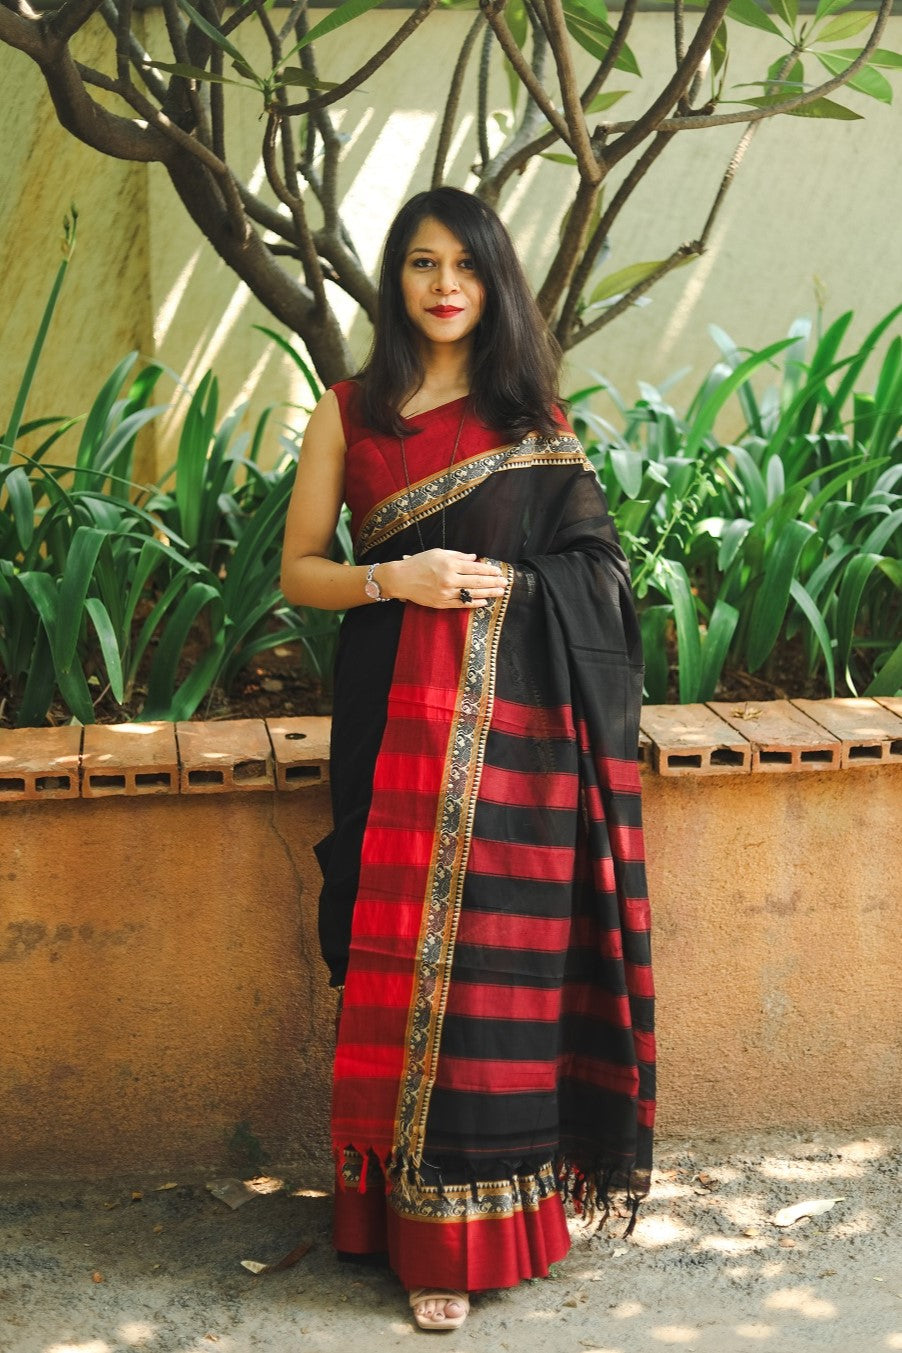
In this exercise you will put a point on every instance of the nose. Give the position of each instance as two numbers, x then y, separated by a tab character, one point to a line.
445	281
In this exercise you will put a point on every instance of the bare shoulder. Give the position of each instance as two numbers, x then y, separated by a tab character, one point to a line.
324	435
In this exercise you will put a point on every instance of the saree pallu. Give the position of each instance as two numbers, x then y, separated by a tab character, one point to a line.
484	898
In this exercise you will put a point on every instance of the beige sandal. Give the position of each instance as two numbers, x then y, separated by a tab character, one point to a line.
421	1294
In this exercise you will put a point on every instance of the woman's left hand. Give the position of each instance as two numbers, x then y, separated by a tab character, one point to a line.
442	580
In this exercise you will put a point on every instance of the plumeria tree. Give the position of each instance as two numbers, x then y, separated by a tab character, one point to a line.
287	240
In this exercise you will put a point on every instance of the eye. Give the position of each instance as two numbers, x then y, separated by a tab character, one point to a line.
468	264
421	264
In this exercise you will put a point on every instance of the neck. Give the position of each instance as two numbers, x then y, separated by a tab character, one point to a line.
446	374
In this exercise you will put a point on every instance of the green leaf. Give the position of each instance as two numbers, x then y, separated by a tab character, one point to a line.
109	646
287	347
594	35
18	486
161	682
8	438
788	10
673	580
39	685
337	18
845	26
888	680
294	75
808	606
719	49
559	159
606	99
879	57
866	81
220	40
752	15
620	282
826	7
821	108
653	622
715	646
627	466
851	589
196	73
772	597
74	586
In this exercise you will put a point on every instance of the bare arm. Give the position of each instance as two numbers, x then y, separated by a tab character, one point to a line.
311	578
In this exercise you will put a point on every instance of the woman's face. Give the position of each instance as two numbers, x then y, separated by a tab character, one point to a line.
443	296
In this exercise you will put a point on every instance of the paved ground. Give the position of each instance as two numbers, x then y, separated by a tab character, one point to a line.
108	1269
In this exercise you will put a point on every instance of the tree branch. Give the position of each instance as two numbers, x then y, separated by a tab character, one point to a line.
512	158
678	256
696	121
294	203
675	88
523	69
23	33
558	40
568	317
453	101
71	16
482	100
570	246
378	59
139	56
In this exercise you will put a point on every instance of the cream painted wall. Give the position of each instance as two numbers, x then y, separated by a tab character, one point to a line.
813	201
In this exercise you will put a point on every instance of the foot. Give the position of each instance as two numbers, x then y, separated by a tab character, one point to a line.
439	1310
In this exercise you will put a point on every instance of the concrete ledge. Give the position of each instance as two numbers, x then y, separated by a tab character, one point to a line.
165	1008
720	738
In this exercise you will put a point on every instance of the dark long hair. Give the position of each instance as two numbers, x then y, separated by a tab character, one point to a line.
514	361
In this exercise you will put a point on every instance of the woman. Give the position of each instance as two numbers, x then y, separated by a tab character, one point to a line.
484	903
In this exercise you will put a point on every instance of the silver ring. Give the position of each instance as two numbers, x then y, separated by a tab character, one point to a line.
465	596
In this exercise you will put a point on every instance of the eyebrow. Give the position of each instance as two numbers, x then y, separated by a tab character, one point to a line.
422	249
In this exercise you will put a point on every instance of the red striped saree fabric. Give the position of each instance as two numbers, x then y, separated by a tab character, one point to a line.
484	897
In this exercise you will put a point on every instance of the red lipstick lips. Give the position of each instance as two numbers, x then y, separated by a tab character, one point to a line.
444	311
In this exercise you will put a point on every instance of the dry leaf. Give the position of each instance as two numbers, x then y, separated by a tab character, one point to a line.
137	1195
161	1188
706	1180
96	1277
158	1229
811	1207
287	1261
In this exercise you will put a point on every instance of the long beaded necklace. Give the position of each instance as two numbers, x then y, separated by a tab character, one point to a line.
446	481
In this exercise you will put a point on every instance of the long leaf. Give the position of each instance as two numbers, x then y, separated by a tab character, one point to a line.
752	15
8	440
807	605
888	680
716	644
18	486
866	81
851	590
109	646
342	14
772	597
672	579
161	682
74	586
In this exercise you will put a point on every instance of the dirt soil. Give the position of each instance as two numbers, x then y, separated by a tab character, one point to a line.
156	1264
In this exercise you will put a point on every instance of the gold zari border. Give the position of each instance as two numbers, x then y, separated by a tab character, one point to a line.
428	496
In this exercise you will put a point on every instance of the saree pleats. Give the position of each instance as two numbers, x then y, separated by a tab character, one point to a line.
496	1046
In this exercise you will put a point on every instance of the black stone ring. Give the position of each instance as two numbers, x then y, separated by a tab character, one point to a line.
465	596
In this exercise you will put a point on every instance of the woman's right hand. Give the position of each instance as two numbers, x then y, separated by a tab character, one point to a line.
435	578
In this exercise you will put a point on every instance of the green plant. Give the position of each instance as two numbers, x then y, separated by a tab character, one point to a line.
105	583
792	529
